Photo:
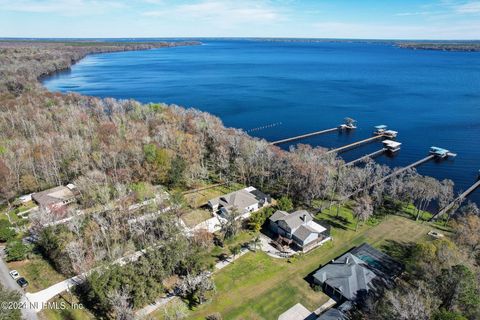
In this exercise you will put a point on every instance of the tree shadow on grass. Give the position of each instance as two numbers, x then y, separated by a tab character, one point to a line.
337	222
400	251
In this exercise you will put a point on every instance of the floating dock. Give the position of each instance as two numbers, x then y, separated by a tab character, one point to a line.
458	200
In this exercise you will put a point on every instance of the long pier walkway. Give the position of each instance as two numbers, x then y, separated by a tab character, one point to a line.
391	175
458	200
303	136
355	144
370	155
397	172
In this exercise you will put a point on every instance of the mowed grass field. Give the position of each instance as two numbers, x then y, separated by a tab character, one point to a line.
257	286
38	272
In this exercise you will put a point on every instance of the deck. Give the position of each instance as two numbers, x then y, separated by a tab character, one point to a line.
393	174
355	144
367	156
303	136
457	200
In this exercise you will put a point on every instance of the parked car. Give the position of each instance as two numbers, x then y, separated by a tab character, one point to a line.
14	274
22	282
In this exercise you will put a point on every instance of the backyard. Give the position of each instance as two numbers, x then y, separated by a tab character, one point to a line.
257	286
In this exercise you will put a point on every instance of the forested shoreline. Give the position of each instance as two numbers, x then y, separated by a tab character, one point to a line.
24	62
472	46
118	151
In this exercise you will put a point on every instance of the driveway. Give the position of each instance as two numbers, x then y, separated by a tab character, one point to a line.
11	284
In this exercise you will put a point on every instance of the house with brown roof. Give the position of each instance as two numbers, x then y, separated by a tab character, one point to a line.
56	197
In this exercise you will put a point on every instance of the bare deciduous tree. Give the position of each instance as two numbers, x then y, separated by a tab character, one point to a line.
121	305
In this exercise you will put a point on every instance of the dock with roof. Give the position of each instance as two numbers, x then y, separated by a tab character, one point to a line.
441	153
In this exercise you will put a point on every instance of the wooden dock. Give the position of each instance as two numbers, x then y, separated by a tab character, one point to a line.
365	157
397	172
458	200
303	136
391	175
355	144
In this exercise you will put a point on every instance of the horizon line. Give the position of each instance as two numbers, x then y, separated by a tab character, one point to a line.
236	37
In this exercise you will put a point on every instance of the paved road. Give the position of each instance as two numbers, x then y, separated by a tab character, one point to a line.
11	284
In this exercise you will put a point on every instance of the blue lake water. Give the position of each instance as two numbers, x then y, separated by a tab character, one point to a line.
430	97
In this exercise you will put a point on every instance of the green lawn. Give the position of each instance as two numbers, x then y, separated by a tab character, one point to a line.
38	272
257	286
68	312
210	257
196	216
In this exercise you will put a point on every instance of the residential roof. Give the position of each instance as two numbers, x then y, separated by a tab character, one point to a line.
53	196
297	312
348	274
332	314
300	223
240	199
304	231
278	215
355	271
296	219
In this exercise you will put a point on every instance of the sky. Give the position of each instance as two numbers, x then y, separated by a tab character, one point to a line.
357	19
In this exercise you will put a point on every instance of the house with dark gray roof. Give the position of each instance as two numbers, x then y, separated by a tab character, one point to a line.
357	273
244	201
332	314
300	227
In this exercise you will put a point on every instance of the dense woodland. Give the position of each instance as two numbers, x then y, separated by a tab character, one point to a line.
470	46
114	150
